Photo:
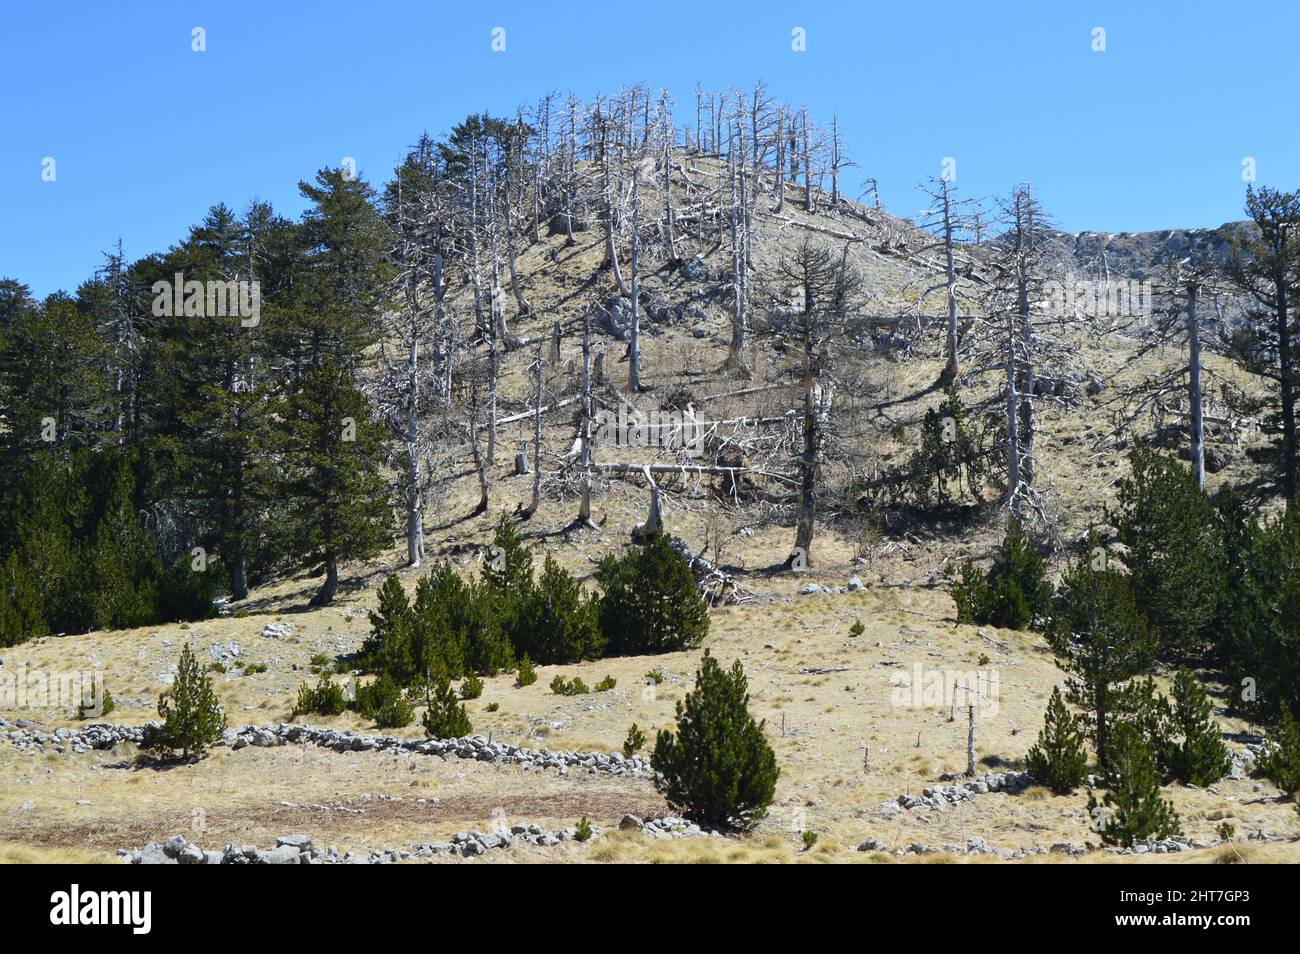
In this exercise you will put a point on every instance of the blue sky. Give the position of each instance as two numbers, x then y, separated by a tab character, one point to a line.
147	134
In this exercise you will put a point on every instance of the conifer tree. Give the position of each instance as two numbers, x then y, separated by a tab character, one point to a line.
1013	594
192	719
718	767
1100	641
445	717
439	636
20	607
1200	758
1057	759
1280	763
333	454
1132	808
1175	555
52	390
651	602
558	622
388	648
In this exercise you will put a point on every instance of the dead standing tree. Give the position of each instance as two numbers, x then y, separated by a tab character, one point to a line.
828	288
949	220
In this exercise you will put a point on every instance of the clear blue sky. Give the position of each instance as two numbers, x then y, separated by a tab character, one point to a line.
147	134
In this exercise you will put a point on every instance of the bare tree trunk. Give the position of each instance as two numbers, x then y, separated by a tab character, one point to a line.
537	438
1194	385
970	740
654	521
584	427
1027	422
634	337
1013	421
671	236
476	278
492	400
780	162
414	490
611	250
808	205
739	265
950	276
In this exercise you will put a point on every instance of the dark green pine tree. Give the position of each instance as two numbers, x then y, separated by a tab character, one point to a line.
1100	641
332	454
339	285
1015	593
52	391
508	562
20	604
445	717
1259	617
1175	553
388	648
122	568
439	638
949	462
1280	763
1200	757
558	623
718	767
651	603
192	718
1132	808
225	404
1058	759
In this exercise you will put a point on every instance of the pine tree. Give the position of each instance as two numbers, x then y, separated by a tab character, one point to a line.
1132	808
508	564
439	640
1260	612
1100	641
1175	554
1280	763
223	405
950	461
651	602
1142	706
20	607
1200	758
558	623
1015	592
527	675
52	390
445	717
192	719
333	453
389	647
718	768
1057	759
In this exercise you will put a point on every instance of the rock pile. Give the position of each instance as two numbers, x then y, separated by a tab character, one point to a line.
942	797
98	735
102	735
300	849
473	747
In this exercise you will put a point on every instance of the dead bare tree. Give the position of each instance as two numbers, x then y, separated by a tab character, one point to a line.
948	218
828	287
